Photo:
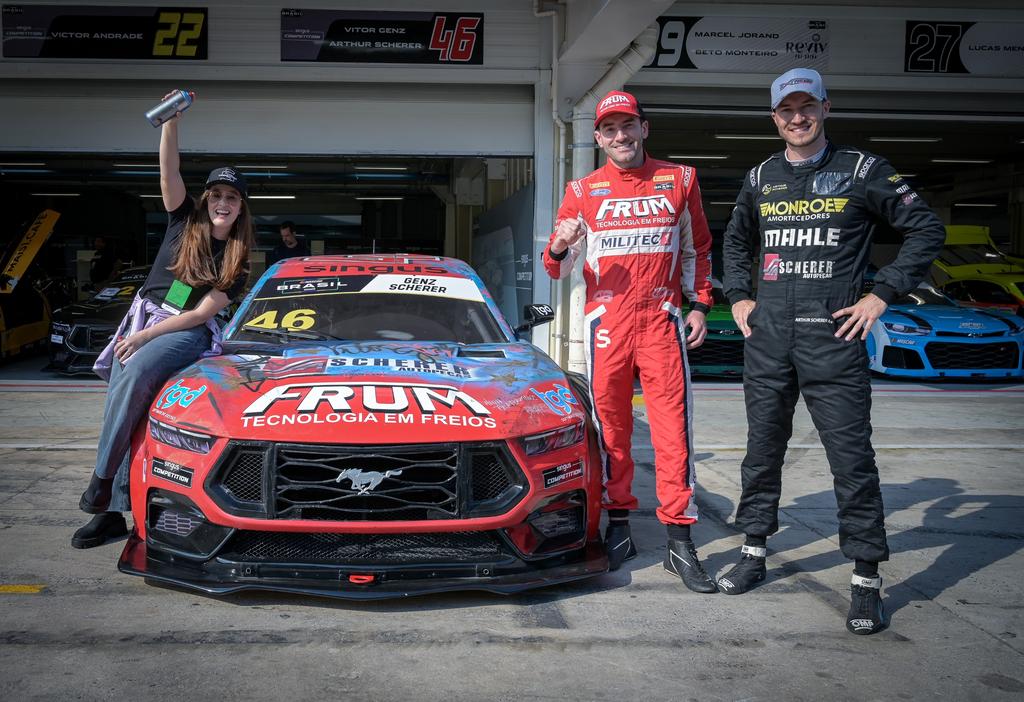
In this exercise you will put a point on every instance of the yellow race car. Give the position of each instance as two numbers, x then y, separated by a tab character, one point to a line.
24	310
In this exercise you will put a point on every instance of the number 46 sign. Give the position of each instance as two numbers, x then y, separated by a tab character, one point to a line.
438	38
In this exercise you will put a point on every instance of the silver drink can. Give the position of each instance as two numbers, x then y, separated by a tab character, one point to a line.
178	102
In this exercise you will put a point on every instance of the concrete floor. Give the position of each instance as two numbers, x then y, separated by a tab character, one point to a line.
950	462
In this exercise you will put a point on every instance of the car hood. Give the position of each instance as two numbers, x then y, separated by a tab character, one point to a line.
371	392
970	270
108	312
944	318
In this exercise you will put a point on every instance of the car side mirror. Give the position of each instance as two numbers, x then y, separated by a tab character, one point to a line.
535	314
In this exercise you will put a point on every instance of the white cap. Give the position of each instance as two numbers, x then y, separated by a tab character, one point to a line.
798	80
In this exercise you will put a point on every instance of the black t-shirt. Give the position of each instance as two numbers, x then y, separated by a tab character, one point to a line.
281	251
161	283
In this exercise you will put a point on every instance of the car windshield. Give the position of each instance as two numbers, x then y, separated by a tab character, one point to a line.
963	254
924	295
283	311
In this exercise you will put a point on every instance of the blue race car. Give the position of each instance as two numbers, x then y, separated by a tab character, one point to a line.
926	335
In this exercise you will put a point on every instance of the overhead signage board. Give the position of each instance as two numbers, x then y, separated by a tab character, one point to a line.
975	48
439	38
741	44
104	32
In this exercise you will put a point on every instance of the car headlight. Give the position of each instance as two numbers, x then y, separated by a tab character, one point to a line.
553	440
906	328
1015	329
180	438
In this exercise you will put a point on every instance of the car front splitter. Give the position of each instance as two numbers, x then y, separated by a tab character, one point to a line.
361	582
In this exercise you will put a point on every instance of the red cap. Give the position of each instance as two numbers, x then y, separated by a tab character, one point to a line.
616	101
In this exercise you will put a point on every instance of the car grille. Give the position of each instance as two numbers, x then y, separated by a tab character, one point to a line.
367	483
899	357
490	478
714	352
326	482
90	339
947	355
376	549
244	480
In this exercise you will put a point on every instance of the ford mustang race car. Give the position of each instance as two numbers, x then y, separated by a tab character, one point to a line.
375	429
79	332
926	335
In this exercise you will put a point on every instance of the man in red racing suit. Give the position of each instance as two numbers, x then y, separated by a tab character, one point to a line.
647	246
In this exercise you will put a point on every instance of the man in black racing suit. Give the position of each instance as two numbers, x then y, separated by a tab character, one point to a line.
814	207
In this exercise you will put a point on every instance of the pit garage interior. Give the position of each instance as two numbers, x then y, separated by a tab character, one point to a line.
450	160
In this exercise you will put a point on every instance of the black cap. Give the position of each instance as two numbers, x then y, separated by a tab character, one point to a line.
228	176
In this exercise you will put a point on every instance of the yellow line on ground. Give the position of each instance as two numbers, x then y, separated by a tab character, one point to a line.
638	400
21	589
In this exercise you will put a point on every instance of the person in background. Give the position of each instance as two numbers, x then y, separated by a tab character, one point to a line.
104	261
290	245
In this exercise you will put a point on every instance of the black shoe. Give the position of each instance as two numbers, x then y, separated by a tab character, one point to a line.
681	559
619	544
100	529
746	574
96	497
866	614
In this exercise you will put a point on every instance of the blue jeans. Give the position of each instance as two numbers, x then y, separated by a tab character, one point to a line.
130	393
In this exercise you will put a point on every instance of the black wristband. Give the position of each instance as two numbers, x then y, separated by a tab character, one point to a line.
558	257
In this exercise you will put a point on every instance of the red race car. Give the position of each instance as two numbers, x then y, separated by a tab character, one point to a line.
374	429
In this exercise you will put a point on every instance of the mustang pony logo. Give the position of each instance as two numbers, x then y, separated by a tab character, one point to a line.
365	480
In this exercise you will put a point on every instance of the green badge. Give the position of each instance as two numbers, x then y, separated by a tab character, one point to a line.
177	296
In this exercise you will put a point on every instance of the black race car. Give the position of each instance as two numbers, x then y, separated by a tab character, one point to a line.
79	332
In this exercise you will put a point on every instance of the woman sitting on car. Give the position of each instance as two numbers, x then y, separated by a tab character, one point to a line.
201	265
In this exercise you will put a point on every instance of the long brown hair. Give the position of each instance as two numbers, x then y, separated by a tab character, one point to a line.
194	263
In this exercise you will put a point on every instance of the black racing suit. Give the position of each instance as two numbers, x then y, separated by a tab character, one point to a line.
815	225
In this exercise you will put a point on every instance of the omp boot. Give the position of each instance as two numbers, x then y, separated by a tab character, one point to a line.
681	559
866	613
619	543
748	573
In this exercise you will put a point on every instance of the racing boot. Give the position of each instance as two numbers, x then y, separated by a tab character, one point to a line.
866	613
681	559
619	544
96	497
102	528
747	573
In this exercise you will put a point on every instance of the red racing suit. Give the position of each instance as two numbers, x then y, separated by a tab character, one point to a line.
647	245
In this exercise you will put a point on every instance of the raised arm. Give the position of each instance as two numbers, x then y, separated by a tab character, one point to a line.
172	187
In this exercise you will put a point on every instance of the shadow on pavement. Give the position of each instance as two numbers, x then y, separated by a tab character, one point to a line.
942	527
